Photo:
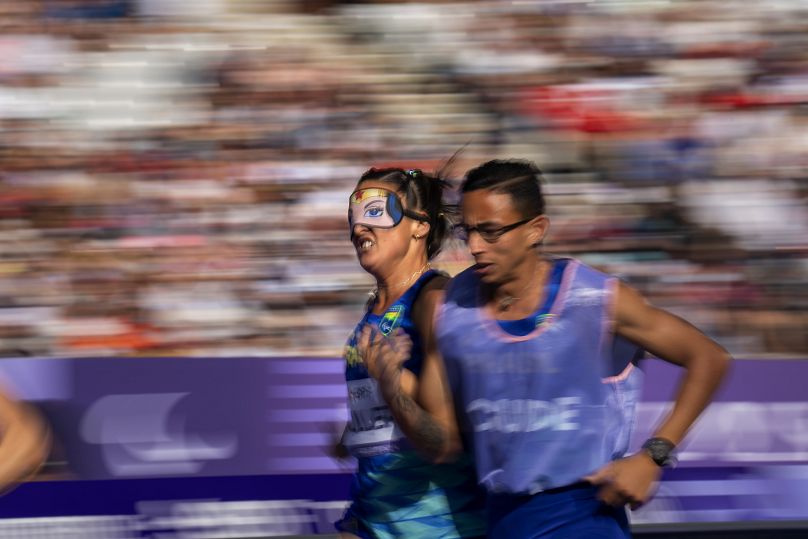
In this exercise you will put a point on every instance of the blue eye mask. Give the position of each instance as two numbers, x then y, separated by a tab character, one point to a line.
378	208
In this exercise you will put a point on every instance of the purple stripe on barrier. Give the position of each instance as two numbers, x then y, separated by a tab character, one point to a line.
749	380
221	413
37	378
309	415
307	391
314	439
308	367
221	418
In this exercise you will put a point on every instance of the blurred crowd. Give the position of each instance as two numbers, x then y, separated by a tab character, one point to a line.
174	175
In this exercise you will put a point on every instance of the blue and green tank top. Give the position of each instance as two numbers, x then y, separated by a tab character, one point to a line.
395	492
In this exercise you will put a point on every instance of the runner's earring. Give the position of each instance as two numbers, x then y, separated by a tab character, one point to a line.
423	225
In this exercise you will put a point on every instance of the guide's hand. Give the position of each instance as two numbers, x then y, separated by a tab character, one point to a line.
631	480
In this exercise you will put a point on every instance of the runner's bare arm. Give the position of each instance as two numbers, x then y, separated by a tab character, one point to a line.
674	340
422	407
633	479
24	443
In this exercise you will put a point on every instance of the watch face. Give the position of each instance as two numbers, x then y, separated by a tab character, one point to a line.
659	454
660	451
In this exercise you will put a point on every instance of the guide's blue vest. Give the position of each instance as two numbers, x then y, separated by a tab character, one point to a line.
545	409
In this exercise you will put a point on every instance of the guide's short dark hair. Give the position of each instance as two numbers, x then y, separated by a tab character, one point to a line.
521	179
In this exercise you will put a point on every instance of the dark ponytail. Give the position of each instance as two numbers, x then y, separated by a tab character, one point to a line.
435	207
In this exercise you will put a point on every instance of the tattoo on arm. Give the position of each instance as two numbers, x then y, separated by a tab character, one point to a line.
425	433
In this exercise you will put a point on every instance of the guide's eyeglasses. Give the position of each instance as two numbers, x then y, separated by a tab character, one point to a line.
490	235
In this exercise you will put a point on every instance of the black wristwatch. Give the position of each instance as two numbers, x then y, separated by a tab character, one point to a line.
661	451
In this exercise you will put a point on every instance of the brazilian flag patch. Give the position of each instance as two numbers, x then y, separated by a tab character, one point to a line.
391	319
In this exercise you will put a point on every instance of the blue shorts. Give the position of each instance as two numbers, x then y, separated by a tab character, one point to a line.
572	512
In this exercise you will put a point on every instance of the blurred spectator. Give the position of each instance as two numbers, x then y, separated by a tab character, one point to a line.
173	180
